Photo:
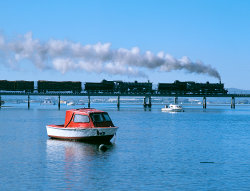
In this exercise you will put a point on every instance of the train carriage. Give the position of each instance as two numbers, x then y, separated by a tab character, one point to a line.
7	85
134	87
104	86
173	88
50	86
27	86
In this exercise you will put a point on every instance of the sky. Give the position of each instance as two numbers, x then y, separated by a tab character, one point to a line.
159	41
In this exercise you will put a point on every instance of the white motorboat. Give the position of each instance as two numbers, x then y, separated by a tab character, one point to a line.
47	101
70	103
173	108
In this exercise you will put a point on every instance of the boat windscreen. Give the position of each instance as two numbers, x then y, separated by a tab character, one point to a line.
106	116
97	117
81	119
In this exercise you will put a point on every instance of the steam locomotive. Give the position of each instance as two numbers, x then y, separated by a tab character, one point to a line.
191	88
105	86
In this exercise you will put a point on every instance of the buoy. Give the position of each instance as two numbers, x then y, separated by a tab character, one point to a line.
103	147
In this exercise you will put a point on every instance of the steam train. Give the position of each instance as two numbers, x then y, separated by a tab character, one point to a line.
105	86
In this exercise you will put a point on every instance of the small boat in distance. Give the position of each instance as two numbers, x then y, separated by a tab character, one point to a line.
63	102
80	102
172	108
70	103
90	125
47	101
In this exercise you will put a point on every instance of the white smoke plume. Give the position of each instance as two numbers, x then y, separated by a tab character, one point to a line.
64	55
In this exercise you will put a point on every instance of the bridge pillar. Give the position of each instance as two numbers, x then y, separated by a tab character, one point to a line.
204	102
176	100
144	102
233	103
118	102
0	101
88	101
149	102
28	101
59	102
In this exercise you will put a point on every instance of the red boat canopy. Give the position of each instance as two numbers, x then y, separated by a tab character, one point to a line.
82	111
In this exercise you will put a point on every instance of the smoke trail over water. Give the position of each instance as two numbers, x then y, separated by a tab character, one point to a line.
64	56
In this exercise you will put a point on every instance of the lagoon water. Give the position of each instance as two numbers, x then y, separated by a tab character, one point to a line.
194	150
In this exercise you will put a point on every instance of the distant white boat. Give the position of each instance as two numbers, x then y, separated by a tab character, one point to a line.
63	102
71	103
172	108
80	102
47	101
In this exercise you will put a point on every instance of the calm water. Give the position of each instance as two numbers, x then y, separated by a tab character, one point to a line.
194	150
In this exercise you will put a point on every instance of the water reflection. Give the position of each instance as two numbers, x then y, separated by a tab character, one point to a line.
172	112
71	150
74	161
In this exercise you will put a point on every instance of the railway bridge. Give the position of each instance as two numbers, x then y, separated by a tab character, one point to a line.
147	103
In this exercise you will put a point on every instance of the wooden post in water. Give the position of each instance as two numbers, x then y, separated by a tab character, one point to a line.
233	103
204	102
149	102
59	102
118	102
144	102
176	100
88	101
28	101
0	101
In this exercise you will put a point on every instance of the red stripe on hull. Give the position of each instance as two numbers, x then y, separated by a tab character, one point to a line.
86	139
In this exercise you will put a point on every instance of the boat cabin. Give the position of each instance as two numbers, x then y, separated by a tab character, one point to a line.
87	118
173	106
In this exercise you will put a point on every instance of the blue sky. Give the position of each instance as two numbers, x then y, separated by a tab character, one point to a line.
215	32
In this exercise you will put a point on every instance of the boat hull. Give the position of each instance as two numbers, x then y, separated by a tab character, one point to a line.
84	134
171	110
